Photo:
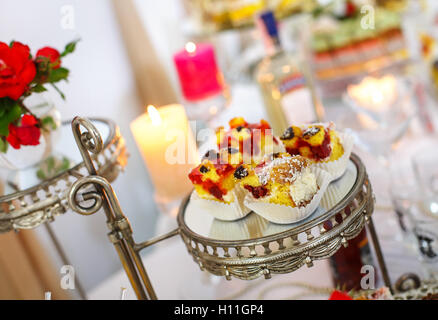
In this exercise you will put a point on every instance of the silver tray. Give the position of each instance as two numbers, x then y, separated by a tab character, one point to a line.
252	246
39	202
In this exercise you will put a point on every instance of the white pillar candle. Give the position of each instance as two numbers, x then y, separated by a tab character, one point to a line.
168	148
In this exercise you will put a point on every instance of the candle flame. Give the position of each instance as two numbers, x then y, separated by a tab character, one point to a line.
190	47
154	115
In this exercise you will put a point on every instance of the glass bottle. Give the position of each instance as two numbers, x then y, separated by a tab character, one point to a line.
347	263
286	87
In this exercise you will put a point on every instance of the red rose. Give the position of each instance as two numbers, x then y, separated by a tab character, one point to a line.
52	54
27	134
17	70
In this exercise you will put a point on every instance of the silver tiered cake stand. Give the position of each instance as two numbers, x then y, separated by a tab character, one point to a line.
245	249
254	247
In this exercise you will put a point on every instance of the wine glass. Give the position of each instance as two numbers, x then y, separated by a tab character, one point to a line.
426	173
382	112
414	195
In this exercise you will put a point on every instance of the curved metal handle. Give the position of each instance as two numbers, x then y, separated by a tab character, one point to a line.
90	141
87	141
93	195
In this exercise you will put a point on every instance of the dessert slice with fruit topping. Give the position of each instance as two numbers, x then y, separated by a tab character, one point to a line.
252	140
279	179
213	179
318	143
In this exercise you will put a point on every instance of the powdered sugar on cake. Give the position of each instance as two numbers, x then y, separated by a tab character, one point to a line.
281	170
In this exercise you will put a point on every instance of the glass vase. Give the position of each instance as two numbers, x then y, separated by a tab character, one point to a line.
27	156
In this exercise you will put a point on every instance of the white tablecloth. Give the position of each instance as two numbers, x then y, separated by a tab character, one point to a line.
175	276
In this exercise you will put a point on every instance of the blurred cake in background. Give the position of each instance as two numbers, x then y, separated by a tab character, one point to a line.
345	43
216	15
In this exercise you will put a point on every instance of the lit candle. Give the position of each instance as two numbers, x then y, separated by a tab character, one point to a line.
374	94
198	72
168	148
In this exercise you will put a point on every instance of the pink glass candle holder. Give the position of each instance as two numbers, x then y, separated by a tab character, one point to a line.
199	75
202	83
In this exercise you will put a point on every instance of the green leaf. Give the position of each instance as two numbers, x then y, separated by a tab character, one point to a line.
69	47
10	115
65	164
58	74
59	91
5	105
49	122
50	164
40	174
38	88
3	146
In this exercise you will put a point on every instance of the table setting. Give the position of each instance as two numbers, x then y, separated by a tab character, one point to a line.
311	175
